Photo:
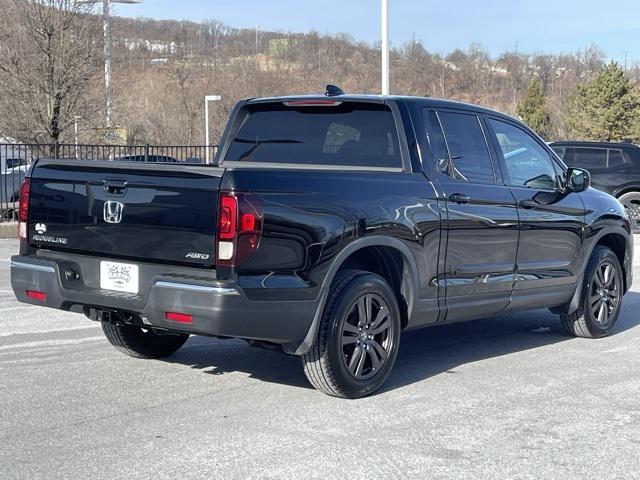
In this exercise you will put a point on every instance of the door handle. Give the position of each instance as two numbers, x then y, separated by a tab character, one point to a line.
528	203
459	198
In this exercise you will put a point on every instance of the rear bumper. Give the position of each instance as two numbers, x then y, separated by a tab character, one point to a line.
217	308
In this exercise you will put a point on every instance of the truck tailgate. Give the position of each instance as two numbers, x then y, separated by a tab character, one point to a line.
164	213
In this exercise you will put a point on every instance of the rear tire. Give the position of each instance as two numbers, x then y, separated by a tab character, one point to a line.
358	339
142	343
600	299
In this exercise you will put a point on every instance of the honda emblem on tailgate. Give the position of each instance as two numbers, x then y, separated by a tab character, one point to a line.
113	211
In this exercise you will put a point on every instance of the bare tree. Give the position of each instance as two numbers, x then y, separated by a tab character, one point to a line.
181	82
48	62
50	52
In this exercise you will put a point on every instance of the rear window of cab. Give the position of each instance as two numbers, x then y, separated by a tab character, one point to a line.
339	134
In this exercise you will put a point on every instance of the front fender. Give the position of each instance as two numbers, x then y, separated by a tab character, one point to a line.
594	235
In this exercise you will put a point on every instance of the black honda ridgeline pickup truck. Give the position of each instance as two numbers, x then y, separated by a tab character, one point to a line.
327	225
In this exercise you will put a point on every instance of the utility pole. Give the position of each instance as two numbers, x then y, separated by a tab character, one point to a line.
443	77
257	27
385	47
513	74
626	54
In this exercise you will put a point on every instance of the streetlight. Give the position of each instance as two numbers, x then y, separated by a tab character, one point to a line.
75	132
107	54
207	99
385	47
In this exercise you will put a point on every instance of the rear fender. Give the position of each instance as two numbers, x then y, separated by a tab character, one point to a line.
373	241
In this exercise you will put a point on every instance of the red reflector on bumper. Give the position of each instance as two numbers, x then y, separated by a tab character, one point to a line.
35	295
178	317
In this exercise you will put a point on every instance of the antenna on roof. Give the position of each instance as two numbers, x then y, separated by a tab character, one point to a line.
333	91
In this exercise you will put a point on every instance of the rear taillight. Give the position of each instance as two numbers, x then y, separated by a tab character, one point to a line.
239	227
227	219
23	209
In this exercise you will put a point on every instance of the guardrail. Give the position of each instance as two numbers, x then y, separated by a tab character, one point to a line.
16	158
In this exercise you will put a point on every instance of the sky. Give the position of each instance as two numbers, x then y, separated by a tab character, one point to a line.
547	26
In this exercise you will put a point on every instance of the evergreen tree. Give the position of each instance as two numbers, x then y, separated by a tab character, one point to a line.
605	109
532	109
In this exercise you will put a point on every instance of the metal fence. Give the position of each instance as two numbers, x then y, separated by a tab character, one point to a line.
16	158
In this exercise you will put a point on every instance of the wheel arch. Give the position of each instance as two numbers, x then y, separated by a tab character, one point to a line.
631	188
620	242
375	254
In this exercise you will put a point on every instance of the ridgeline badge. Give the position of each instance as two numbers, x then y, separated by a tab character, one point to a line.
49	239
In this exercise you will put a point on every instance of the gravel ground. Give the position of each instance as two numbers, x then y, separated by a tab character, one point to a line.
506	397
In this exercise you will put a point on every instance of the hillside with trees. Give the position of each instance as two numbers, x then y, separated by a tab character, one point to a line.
163	69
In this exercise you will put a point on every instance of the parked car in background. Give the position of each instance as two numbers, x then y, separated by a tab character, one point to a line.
14	162
148	158
614	168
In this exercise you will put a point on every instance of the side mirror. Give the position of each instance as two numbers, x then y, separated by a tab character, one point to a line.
578	179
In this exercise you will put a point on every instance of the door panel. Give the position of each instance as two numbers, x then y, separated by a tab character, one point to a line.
481	224
482	241
550	237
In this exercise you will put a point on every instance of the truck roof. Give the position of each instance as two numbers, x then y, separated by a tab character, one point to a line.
422	101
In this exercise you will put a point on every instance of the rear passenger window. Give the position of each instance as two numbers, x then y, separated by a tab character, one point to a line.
345	134
467	157
583	157
616	158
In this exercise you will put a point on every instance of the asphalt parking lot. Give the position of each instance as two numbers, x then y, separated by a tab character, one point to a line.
506	397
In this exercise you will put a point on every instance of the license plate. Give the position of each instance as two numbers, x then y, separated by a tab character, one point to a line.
121	277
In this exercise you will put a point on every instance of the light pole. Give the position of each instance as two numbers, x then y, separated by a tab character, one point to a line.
385	47
75	132
106	26
107	54
106	21
207	99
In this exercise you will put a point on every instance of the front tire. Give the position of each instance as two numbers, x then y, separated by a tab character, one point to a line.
600	299
139	342
357	343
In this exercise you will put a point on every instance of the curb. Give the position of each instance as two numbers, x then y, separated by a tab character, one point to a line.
9	230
